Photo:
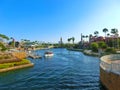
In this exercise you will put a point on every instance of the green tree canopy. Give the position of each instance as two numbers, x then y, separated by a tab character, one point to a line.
105	30
94	47
4	37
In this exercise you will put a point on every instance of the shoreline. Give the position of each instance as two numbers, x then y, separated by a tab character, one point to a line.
86	52
16	67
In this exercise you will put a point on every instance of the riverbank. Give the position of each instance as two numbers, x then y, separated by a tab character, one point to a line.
16	67
72	49
13	61
86	52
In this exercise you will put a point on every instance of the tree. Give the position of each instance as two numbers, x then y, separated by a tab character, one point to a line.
108	34
114	31
86	37
105	30
2	47
83	36
96	33
69	39
13	42
90	36
73	39
102	45
108	39
4	37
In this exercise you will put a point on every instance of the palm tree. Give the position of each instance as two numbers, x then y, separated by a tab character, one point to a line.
69	39
108	38
105	30
86	37
83	36
114	31
90	36
96	33
73	39
108	34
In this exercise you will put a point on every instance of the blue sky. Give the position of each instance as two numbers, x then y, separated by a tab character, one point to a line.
48	20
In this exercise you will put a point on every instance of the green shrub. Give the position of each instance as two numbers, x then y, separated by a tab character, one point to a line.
110	50
102	45
94	47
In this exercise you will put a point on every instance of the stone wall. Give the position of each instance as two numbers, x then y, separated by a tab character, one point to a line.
110	80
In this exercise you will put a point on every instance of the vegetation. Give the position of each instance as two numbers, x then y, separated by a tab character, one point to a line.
110	50
96	33
5	56
20	55
4	37
102	45
7	65
2	47
105	30
94	47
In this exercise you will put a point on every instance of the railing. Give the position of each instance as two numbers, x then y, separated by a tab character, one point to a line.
111	63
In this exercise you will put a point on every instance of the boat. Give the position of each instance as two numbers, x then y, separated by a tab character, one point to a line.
49	54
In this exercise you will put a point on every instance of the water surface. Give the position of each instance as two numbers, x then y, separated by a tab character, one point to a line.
66	70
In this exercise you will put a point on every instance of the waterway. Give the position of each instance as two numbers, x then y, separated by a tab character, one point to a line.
66	70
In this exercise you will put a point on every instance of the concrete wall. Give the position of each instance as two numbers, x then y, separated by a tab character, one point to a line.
110	80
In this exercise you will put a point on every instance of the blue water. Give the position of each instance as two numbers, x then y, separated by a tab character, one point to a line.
66	70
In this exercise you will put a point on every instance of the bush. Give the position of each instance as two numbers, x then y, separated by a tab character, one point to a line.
94	47
110	50
102	45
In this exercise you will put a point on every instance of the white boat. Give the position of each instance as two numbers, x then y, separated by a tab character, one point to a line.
49	54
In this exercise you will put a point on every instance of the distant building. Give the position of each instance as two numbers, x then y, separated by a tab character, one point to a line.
61	42
97	39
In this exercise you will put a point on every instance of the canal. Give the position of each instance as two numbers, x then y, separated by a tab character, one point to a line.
66	70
